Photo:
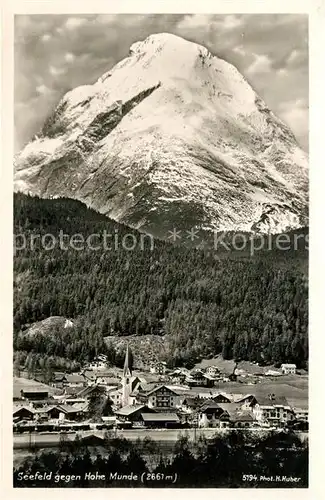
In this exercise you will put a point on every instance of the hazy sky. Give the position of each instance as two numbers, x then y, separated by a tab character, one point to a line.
54	53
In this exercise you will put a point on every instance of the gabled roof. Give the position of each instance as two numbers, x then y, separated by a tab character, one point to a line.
157	387
74	378
57	376
224	395
209	405
38	390
192	402
242	398
16	408
129	410
288	365
272	400
90	374
230	408
69	408
242	416
160	417
109	380
71	390
86	391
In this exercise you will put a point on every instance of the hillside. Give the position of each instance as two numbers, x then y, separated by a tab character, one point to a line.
252	308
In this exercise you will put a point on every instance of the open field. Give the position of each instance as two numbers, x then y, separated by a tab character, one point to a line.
228	365
293	387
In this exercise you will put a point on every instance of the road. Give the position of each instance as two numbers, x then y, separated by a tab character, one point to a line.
51	439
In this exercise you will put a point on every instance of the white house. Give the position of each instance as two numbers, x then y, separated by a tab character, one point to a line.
158	367
288	369
301	414
213	371
272	409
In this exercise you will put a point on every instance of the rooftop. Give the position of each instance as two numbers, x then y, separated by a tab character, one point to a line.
128	410
272	400
160	417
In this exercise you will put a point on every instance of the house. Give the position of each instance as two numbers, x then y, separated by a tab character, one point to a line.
71	391
241	418
178	378
158	367
190	404
272	409
222	398
209	380
160	420
196	379
288	369
64	412
75	380
159	397
34	393
132	413
59	379
209	414
246	402
213	371
98	364
301	414
90	376
23	413
74	412
86	392
115	394
234	415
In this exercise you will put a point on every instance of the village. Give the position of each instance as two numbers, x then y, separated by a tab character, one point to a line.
164	399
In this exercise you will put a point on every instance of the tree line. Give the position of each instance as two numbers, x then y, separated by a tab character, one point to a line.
221	462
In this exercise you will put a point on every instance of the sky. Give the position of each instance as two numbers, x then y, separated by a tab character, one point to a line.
55	53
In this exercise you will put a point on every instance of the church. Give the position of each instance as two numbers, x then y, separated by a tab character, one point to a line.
130	383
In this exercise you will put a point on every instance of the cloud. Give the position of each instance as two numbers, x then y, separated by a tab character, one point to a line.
293	56
74	22
46	37
296	114
69	57
261	64
232	21
42	89
239	50
56	71
282	72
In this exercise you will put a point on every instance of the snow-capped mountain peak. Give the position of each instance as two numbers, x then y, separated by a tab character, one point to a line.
172	135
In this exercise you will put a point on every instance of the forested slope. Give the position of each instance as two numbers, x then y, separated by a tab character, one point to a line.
247	308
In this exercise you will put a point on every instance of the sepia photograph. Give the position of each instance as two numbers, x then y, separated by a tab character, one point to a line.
161	242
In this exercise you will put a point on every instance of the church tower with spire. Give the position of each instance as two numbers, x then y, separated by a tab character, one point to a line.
126	378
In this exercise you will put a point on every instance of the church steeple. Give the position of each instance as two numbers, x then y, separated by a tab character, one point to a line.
127	377
127	372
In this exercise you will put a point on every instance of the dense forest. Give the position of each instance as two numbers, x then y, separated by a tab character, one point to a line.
250	308
235	460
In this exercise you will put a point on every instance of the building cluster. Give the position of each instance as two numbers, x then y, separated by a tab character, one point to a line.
182	399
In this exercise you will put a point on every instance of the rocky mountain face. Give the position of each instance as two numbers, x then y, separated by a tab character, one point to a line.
171	137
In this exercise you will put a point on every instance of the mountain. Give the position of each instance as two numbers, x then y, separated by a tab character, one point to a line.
171	137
